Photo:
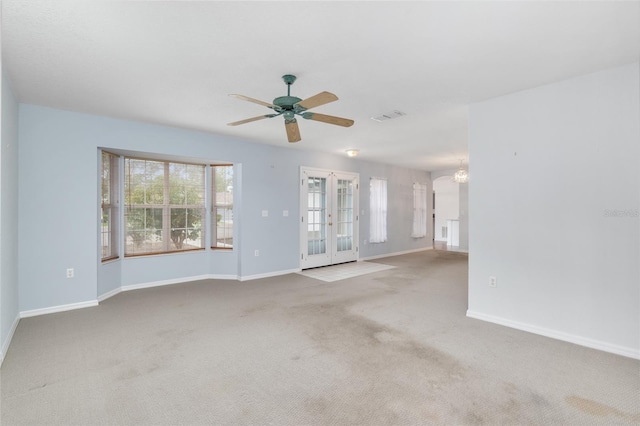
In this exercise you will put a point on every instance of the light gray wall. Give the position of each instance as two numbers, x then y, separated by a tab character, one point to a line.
8	216
464	215
547	165
59	170
400	208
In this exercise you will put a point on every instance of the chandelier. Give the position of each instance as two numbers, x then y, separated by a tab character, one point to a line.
461	176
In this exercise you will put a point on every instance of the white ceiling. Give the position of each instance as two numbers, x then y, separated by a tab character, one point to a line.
175	63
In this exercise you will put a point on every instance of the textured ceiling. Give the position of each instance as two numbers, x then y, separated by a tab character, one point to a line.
175	63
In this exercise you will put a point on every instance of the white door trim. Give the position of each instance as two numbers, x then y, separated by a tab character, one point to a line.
336	251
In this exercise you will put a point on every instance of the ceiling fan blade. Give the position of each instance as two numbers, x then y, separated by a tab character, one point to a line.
293	131
255	101
338	121
316	100
249	120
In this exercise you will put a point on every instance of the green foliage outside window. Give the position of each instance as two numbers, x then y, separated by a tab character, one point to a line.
164	206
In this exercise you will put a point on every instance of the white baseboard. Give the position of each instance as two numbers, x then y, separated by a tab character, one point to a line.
151	284
205	277
178	281
105	296
7	341
269	274
558	335
398	253
60	308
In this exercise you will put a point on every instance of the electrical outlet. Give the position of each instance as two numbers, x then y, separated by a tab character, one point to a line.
285	213
256	253
70	272
265	213
493	282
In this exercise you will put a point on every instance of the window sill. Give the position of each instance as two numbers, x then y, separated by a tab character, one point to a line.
164	253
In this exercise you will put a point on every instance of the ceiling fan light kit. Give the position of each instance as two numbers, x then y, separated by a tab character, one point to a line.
290	106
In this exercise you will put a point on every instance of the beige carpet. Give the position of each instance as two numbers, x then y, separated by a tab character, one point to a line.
344	270
388	348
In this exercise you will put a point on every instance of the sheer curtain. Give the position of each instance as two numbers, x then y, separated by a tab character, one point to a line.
419	210
378	208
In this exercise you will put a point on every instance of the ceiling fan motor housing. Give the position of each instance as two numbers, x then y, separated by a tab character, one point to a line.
286	102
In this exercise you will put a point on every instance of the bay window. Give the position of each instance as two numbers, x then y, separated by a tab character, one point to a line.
164	206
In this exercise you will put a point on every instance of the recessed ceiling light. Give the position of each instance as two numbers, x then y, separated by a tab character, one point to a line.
352	152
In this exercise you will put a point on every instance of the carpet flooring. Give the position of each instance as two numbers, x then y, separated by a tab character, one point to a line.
387	348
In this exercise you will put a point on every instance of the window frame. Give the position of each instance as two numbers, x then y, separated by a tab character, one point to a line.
166	207
112	206
215	205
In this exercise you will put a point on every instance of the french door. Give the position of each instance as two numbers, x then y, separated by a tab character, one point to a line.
328	217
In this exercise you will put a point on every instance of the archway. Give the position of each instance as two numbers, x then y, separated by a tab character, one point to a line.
446	211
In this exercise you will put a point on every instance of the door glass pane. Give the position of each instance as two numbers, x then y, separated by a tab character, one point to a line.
345	215
316	216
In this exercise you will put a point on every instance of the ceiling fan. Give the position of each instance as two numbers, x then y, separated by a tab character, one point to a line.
290	106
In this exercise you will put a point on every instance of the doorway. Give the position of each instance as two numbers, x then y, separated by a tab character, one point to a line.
329	217
446	212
